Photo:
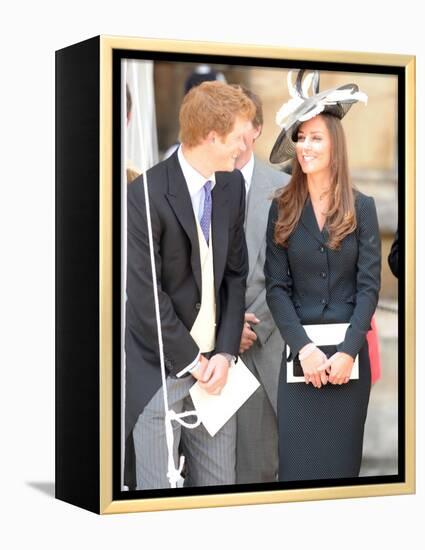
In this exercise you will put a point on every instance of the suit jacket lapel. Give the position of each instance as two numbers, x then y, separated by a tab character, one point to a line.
179	198
308	219
259	196
219	227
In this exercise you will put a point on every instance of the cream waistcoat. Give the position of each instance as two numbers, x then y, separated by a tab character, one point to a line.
203	330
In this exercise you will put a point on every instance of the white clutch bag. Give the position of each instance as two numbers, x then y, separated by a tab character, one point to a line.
325	337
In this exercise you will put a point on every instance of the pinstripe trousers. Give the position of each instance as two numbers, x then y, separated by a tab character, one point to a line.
208	460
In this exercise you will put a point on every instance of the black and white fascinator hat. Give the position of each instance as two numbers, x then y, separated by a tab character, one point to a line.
302	107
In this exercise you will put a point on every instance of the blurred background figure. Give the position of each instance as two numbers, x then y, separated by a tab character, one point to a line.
132	172
139	152
140	134
261	345
202	73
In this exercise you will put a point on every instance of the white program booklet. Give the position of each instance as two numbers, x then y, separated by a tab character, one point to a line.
324	335
215	410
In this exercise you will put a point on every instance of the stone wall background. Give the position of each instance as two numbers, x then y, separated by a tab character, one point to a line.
371	130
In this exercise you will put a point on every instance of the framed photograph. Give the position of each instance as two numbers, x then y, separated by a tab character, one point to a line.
123	290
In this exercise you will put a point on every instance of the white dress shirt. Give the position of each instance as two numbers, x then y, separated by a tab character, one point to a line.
195	184
247	172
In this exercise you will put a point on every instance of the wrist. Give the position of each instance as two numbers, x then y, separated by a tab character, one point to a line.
229	358
200	361
346	357
196	367
306	351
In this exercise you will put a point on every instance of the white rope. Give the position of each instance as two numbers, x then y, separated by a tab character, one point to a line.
173	473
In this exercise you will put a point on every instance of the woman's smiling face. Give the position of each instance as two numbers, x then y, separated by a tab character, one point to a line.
313	146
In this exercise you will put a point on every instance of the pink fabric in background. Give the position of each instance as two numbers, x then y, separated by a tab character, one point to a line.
374	352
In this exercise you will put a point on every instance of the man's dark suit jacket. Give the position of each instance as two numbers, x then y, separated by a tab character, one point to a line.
177	259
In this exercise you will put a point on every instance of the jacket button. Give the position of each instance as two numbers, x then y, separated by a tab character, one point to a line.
322	249
323	275
198	305
323	301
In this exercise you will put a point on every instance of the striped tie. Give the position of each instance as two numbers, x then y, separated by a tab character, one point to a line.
206	214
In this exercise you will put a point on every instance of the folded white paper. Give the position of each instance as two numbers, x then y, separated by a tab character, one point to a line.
324	335
215	410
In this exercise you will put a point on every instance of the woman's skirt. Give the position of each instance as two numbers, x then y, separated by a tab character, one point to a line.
321	430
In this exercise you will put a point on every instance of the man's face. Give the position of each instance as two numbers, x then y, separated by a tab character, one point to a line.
228	148
249	138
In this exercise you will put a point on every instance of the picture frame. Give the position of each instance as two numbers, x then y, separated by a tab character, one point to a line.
89	245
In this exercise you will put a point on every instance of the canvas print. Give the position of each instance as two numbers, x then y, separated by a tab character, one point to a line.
258	282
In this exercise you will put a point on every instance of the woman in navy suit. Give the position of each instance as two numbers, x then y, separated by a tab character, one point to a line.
322	267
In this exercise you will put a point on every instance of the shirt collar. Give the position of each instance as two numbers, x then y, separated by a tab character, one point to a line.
247	172
195	181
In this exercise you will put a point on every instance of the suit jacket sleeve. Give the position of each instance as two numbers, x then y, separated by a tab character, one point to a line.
393	256
179	347
275	180
279	290
368	277
233	285
267	325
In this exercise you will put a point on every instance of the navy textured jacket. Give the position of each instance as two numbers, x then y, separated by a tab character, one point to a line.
308	283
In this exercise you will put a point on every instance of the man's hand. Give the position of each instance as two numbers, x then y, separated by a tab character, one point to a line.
200	372
215	376
248	335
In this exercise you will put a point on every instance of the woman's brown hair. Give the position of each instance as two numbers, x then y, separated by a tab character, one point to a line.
341	215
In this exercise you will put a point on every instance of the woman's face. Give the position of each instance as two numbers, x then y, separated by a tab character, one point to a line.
313	147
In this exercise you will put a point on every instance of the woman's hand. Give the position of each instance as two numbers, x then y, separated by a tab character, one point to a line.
338	367
310	366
